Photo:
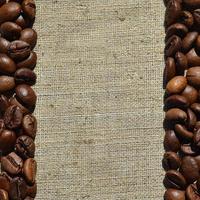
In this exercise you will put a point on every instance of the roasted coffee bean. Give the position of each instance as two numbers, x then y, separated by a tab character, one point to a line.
29	8
10	30
182	131
189	169
9	11
4	104
25	76
173	45
7	141
176	85
30	36
7	65
25	147
181	62
192	193
3	195
189	150
5	181
186	18
196	15
176	29
32	190
176	101
29	170
13	117
190	93
171	142
193	76
169	71
196	108
198	44
173	194
18	188
189	41
192	58
171	160
173	12
29	125
4	44
19	50
12	163
192	3
174	179
23	21
30	62
176	115
26	95
191	119
6	83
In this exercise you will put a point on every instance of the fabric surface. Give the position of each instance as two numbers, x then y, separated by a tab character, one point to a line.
100	99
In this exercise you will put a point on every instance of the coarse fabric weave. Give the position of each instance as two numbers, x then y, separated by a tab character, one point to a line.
100	99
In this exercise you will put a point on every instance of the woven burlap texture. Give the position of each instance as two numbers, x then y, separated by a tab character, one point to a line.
99	99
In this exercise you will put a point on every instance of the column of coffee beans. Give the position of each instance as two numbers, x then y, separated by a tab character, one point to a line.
181	160
17	100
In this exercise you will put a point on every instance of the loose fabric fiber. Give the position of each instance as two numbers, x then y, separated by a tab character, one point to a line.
100	97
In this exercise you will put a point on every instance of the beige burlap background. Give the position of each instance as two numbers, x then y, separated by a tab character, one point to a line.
100	99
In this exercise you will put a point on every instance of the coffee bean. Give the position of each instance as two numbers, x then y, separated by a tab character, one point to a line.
7	65
173	194
29	170
189	41
186	18
173	45
30	62
32	190
176	115
23	21
183	132
191	119
30	36
29	125
3	195
29	8
198	44
171	142
25	147
5	181
193	76
196	138
181	62
190	93
19	50
192	3
171	160
4	104
192	58
189	150
25	76
4	44
13	117
196	108
10	30
196	15
12	163
26	95
6	83
192	193
9	11
174	179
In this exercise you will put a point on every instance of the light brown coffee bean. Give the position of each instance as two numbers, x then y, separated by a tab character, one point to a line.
193	76
190	93
3	195
6	83
176	115
7	65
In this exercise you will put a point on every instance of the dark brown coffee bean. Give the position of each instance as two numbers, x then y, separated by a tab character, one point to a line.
196	15
186	18
196	108
25	76
19	50
7	141
12	163
191	193
189	169
18	188
29	8
192	58
193	76
7	65
3	195
6	83
29	125
181	62
173	45
32	190
196	139
188	149
189	41
4	44
190	93
171	142
192	119
171	160
192	3
10	30
173	12
23	21
5	181
176	101
174	179
176	85
176	115
13	117
9	11
25	147
4	104
29	170
197	158
169	71
183	132
176	29
30	62
173	194
30	36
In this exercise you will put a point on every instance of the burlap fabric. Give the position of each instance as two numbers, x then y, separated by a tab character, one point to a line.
100	99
